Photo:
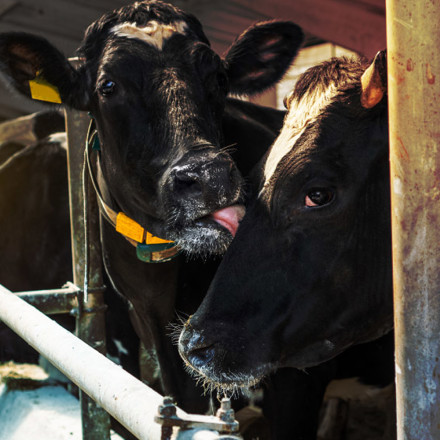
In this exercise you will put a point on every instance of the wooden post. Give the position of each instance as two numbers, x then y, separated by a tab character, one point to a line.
413	41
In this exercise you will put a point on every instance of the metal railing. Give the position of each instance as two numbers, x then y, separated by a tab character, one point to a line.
86	264
105	388
128	400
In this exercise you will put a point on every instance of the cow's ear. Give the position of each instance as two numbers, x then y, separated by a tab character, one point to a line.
374	81
261	55
36	69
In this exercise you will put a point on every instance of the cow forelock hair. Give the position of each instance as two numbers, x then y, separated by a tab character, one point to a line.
315	91
141	15
153	33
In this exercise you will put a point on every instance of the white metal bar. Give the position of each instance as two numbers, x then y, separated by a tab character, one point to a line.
120	394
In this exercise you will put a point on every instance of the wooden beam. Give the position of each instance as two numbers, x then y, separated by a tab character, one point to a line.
355	24
358	25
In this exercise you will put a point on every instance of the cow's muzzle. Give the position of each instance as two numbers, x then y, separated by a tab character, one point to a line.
202	195
203	183
207	359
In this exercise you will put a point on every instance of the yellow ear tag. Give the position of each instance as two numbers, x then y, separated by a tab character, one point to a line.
128	227
41	90
152	239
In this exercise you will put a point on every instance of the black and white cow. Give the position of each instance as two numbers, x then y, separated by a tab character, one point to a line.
19	133
308	274
157	93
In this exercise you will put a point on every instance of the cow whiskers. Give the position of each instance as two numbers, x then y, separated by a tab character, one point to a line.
175	328
231	384
228	149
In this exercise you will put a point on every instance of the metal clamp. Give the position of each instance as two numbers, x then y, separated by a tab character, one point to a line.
223	422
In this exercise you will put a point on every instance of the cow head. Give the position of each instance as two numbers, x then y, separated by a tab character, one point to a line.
157	92
309	271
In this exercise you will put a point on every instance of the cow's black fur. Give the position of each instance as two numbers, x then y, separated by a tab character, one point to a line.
35	230
159	111
28	188
162	118
31	198
300	284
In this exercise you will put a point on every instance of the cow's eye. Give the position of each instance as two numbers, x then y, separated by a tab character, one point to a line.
107	87
318	197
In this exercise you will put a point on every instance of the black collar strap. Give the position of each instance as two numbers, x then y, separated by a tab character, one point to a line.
149	248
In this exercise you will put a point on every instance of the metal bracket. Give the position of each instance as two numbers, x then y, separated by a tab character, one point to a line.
223	422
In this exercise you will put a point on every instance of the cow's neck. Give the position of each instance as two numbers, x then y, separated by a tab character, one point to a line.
149	248
156	292
129	274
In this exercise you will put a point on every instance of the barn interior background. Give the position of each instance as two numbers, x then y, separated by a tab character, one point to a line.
333	28
357	25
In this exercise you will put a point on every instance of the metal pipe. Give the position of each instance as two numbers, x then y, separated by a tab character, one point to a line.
90	321
126	398
54	301
414	103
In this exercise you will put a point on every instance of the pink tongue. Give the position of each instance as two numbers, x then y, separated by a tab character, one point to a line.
229	217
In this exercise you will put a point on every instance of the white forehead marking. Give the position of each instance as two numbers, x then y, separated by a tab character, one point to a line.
300	115
153	33
59	138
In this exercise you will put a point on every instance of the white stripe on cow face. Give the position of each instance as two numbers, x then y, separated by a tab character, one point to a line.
153	33
59	138
301	114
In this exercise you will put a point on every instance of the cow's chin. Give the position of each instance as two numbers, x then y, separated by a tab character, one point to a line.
230	383
203	238
206	233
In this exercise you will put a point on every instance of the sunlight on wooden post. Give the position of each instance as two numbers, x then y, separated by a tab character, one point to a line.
413	41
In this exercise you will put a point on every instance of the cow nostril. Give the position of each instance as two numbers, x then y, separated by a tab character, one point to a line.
195	348
186	182
200	357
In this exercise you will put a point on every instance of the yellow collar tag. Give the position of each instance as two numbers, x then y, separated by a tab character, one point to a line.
152	239
41	90
131	229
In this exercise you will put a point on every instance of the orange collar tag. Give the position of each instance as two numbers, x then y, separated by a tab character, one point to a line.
152	239
128	227
131	229
41	90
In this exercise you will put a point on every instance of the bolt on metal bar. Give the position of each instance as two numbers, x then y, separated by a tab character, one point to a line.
413	41
87	269
224	421
126	398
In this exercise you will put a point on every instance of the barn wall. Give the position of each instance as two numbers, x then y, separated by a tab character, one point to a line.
307	57
355	24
